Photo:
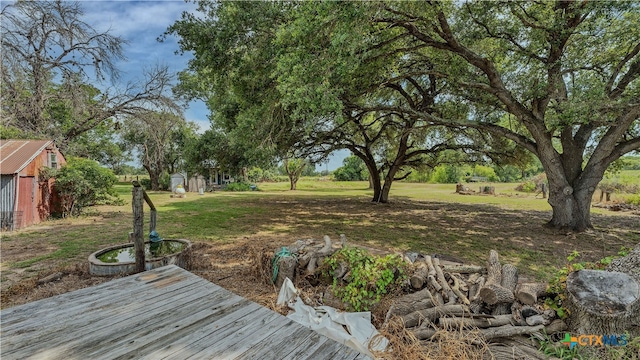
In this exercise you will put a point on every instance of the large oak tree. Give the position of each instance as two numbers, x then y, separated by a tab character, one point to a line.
566	70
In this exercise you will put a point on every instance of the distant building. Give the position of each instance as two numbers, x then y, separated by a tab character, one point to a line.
25	197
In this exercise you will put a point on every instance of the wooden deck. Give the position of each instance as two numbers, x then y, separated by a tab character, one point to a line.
164	313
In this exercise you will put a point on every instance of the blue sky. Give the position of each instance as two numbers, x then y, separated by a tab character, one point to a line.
140	23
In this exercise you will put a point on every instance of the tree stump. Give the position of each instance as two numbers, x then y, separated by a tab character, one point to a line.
603	302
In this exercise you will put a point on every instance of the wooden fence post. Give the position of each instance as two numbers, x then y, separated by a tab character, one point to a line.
138	220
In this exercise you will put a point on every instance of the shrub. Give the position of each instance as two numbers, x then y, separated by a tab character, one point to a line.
533	184
165	181
633	200
528	186
486	172
370	277
352	169
83	182
146	183
240	186
446	174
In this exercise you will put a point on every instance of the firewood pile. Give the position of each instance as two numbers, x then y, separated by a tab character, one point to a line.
447	296
470	297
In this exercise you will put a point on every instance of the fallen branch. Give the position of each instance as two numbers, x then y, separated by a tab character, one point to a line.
431	314
508	331
412	302
469	323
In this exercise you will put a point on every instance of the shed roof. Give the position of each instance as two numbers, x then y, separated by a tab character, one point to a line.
15	155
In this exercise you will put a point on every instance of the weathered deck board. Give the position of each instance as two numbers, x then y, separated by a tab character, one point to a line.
164	313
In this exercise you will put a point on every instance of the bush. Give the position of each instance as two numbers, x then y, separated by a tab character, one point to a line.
371	277
256	174
165	181
633	200
83	182
240	186
527	186
446	174
146	183
419	176
533	184
352	169
485	172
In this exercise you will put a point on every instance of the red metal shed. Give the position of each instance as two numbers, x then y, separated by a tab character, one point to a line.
25	198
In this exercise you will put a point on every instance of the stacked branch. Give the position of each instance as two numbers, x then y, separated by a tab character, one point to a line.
469	297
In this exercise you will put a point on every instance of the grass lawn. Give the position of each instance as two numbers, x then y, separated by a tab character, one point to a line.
429	218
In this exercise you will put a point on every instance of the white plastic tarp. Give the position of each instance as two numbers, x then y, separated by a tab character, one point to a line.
349	328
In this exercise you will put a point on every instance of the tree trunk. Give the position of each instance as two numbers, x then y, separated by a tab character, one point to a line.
374	178
293	181
571	209
384	193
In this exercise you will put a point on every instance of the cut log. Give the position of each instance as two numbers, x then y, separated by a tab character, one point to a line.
438	297
456	290
528	293
603	302
419	277
326	249
431	281
286	269
494	269
430	267
469	323
303	260
419	300
464	269
431	314
312	265
424	333
476	305
508	331
556	326
451	296
340	270
537	320
495	294
509	282
474	290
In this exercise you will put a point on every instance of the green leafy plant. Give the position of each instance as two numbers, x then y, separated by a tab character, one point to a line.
552	349
83	182
369	277
558	283
633	200
239	186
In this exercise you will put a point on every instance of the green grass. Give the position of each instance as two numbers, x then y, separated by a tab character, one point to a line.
429	218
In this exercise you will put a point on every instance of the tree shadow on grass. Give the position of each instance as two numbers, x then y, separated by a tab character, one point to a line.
462	232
